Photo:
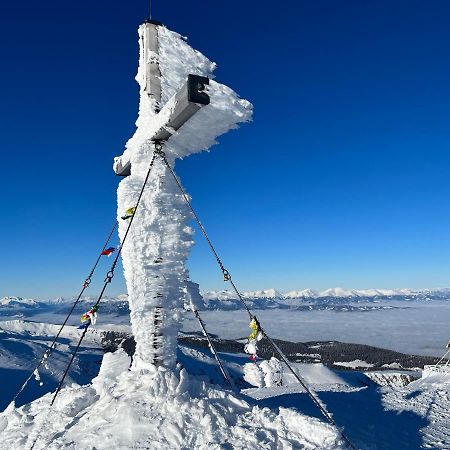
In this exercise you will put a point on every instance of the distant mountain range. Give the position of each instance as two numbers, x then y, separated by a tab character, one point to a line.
334	298
337	292
17	302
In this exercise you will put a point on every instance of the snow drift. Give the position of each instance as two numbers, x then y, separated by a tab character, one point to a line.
157	409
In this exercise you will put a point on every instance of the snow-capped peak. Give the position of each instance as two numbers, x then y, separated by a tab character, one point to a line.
11	301
267	293
305	293
339	292
219	295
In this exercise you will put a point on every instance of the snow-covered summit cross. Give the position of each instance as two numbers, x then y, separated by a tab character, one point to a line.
183	107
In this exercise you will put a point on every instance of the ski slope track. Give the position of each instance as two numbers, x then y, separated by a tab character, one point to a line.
429	398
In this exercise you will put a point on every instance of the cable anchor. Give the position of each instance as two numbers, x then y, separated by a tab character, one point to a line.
109	276
159	150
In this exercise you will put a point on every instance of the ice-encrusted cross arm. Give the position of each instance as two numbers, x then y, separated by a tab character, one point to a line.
175	113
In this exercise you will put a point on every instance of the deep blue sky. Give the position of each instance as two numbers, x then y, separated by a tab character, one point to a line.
341	179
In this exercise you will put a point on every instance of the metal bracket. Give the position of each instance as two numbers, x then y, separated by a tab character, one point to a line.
189	99
154	22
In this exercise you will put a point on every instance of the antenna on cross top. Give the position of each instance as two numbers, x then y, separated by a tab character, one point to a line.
150	19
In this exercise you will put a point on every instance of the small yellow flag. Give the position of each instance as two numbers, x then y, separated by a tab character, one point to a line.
128	213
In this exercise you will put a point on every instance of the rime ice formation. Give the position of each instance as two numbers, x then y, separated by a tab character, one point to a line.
267	374
156	409
157	247
254	375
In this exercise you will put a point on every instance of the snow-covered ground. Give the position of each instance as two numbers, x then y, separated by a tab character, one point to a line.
177	410
192	408
356	364
22	344
159	409
427	401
